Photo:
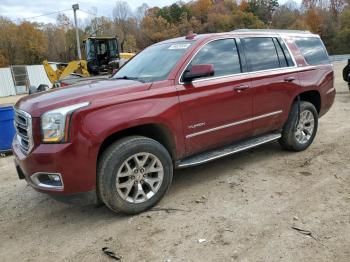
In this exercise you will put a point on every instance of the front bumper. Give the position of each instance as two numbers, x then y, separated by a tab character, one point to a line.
71	171
42	181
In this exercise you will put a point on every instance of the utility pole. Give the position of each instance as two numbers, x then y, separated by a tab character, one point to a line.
75	8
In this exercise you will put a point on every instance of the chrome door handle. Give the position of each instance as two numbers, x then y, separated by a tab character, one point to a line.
289	79
240	88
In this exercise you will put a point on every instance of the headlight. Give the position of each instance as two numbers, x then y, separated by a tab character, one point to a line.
54	124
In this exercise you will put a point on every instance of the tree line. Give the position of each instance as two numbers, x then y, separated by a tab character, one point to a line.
30	43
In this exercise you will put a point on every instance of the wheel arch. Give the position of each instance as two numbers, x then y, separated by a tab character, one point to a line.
312	96
158	132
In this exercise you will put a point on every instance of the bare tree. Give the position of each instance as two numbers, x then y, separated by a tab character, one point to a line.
141	12
336	7
122	15
99	26
121	11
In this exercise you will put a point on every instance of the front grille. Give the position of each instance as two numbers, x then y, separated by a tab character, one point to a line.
24	136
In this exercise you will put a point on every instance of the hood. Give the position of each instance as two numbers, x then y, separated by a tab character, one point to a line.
89	91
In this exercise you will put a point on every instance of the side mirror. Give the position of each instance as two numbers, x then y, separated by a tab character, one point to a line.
198	71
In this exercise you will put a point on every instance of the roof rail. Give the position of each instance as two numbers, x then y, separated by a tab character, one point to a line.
273	31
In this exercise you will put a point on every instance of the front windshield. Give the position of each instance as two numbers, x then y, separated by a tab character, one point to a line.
154	63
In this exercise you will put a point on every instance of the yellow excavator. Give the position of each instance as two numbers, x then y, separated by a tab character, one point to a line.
64	70
102	58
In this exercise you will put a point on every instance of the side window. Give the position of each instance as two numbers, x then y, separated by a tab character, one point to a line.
260	53
313	50
222	54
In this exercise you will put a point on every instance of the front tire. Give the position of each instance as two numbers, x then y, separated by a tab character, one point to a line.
300	129
134	173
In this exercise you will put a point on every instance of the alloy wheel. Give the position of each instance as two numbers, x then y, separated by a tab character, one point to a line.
139	177
305	127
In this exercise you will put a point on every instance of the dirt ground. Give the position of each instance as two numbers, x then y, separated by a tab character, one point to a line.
10	99
239	208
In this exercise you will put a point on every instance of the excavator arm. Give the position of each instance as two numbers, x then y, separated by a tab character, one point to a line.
77	67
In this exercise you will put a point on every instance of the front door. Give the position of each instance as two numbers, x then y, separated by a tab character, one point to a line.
217	109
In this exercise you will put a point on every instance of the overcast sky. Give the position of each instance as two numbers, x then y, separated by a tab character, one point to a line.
17	10
20	9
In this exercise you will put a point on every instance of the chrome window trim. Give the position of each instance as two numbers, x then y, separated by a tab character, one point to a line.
242	73
233	124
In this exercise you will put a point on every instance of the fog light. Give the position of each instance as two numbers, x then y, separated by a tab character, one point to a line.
54	177
51	181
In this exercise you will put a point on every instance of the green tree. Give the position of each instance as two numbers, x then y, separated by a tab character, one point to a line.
246	20
263	9
173	13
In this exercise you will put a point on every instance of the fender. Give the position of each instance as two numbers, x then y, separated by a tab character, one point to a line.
94	125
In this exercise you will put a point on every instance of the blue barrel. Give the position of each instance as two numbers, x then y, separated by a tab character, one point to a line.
7	129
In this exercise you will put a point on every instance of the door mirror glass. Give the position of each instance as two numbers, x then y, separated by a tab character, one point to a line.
198	71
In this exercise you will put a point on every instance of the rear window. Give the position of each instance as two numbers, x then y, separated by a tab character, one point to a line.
313	50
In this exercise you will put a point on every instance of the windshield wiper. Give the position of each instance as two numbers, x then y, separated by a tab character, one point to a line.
130	78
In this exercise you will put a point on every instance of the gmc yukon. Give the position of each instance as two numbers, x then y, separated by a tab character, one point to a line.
178	103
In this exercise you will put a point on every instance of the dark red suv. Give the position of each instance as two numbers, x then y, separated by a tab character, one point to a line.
178	103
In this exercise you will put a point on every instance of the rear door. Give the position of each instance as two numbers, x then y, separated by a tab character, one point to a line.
215	109
274	81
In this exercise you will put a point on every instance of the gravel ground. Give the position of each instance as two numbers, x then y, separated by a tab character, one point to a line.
239	208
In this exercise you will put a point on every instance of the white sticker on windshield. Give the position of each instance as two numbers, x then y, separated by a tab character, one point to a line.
179	46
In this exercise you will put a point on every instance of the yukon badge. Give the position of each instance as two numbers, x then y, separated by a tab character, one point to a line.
196	125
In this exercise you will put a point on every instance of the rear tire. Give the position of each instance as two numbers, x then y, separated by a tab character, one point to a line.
300	130
134	173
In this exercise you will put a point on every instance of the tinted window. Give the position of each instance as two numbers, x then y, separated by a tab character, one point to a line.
260	53
313	50
222	54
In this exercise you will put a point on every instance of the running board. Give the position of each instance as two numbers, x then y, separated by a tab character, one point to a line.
226	150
